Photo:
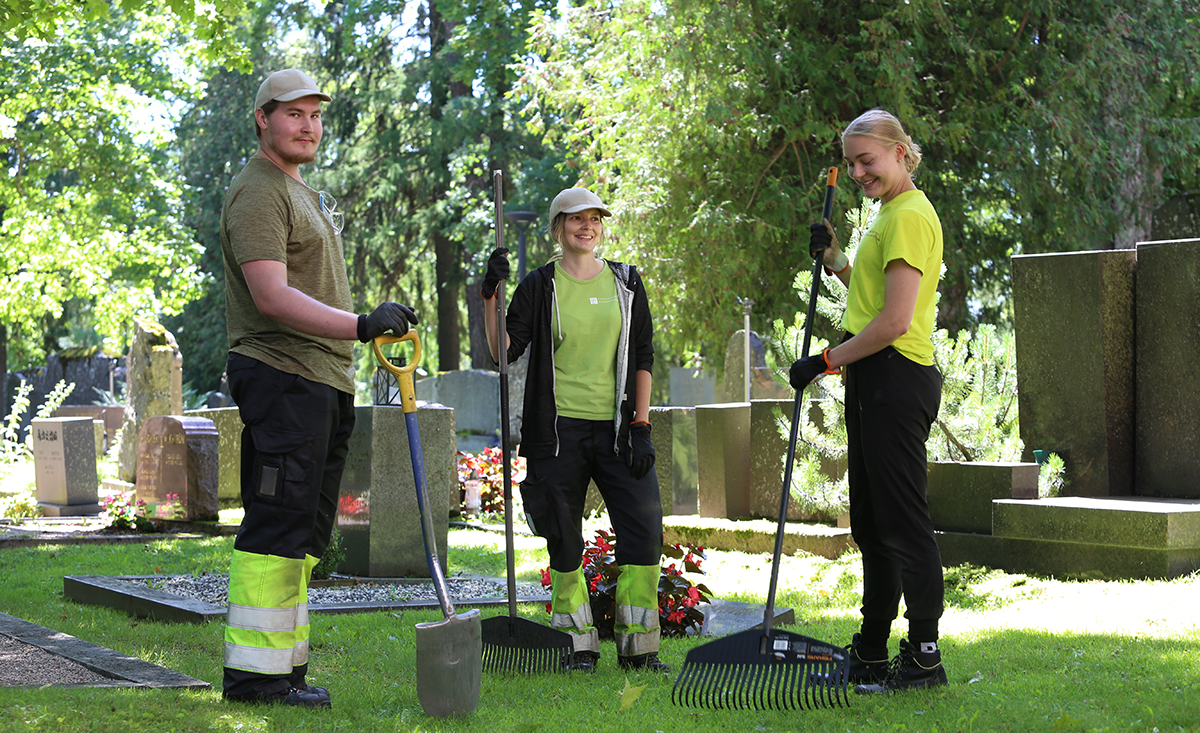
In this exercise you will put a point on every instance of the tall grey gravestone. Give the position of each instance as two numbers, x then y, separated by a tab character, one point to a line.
1074	323
154	386
763	385
378	515
64	464
1168	369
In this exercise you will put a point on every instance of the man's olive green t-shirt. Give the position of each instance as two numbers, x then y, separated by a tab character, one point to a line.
268	215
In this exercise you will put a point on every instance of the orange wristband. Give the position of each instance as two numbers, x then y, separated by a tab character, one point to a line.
829	369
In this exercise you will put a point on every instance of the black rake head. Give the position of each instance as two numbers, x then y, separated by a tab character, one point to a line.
752	669
514	644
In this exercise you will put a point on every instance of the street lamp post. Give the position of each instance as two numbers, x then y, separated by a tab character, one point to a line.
522	219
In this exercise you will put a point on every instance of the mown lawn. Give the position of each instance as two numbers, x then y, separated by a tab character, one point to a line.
1022	653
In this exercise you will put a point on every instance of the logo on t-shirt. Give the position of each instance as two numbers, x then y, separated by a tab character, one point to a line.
595	301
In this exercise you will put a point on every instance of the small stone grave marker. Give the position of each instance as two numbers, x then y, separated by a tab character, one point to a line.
64	461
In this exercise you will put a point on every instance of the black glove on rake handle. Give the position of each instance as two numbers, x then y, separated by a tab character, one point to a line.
766	668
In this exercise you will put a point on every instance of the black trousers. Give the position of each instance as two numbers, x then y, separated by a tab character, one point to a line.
555	488
891	402
294	447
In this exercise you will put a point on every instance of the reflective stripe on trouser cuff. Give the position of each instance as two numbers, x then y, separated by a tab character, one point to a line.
578	626
265	620
632	645
257	659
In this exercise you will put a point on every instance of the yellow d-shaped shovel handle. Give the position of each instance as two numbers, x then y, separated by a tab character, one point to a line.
404	374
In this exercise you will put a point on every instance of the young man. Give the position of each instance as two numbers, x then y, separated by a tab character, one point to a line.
290	370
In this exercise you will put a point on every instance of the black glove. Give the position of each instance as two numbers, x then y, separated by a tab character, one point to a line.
497	270
805	370
643	449
387	317
819	240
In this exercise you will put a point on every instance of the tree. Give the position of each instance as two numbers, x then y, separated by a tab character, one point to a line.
89	205
1047	125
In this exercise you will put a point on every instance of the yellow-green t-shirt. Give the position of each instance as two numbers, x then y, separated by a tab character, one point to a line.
906	228
586	328
268	215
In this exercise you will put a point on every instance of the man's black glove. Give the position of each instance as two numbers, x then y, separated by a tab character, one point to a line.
387	317
819	240
643	449
497	270
805	370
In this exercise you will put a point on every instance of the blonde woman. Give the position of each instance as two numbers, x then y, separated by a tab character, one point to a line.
893	392
586	323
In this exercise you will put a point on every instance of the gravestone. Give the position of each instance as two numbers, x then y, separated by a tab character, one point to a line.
110	417
378	515
64	463
1178	218
1074	324
474	395
723	459
1167	443
961	494
689	387
154	387
228	421
763	385
673	433
177	468
768	450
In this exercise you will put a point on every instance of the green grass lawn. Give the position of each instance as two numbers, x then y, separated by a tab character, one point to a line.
1022	654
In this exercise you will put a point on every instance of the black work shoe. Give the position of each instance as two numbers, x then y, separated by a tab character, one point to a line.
304	686
291	696
584	662
649	662
908	671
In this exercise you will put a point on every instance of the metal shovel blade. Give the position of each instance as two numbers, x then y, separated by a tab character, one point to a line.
449	665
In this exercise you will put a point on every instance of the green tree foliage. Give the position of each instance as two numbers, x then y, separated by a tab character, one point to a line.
1047	126
88	202
207	23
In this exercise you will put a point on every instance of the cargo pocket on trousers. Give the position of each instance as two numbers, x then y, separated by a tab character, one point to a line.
533	496
284	467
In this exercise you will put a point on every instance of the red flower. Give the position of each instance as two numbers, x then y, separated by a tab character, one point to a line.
676	617
549	608
546	578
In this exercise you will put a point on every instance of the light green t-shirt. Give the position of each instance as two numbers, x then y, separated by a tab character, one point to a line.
906	228
268	215
586	329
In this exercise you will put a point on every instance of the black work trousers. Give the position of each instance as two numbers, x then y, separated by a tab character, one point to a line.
891	403
555	487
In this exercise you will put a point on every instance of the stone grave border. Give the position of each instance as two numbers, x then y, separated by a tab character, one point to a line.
123	670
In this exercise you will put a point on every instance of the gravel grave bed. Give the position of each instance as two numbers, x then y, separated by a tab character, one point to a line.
214	589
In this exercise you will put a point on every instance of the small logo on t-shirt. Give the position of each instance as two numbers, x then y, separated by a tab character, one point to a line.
595	301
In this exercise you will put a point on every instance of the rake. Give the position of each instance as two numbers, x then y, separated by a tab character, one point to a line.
765	668
512	643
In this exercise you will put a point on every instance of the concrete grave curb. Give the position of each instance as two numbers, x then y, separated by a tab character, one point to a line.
123	670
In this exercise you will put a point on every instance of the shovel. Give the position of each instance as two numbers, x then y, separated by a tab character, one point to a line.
450	651
512	643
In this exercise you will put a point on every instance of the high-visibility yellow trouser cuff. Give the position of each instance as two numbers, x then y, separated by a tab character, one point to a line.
635	626
260	627
571	611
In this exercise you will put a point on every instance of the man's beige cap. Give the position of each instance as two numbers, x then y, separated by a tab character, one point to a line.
287	85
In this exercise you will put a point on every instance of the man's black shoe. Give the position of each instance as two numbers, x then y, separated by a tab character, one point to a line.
864	666
291	696
909	672
584	662
649	662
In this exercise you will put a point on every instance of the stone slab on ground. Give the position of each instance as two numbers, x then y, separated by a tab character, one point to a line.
119	669
730	617
1069	560
758	536
1134	522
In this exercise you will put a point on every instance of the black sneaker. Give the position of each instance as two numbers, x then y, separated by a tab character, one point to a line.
649	662
863	666
907	672
584	662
